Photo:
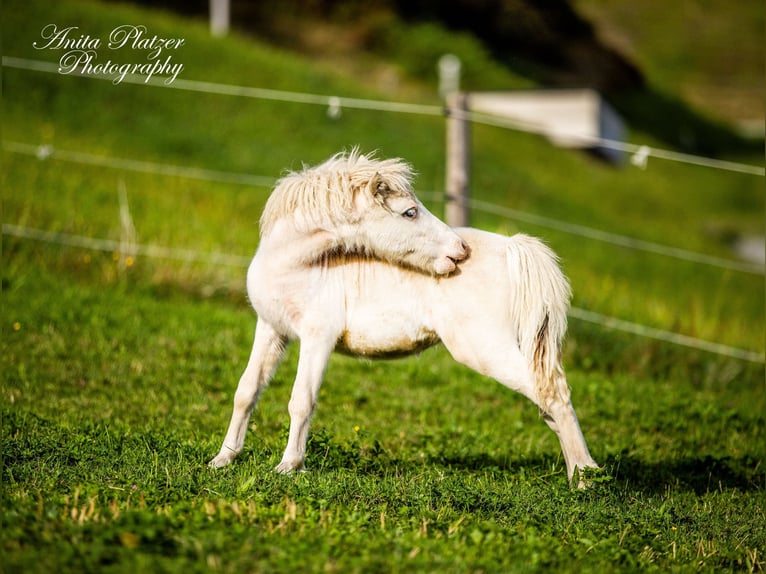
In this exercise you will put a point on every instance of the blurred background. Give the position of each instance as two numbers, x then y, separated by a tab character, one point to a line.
161	183
703	57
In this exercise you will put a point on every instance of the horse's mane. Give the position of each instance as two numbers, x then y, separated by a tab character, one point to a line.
324	194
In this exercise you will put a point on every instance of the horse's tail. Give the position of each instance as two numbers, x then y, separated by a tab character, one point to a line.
540	295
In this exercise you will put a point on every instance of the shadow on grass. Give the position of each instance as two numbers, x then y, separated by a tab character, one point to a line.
700	474
673	121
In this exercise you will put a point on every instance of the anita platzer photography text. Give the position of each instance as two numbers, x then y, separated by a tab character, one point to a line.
82	53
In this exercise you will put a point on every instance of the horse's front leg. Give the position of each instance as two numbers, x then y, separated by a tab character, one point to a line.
314	355
268	346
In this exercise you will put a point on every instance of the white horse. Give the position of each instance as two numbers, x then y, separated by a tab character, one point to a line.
350	260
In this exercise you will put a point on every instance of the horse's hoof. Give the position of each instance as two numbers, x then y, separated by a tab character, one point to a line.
588	476
221	460
289	467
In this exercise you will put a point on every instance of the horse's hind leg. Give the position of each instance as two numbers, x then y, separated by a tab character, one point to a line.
557	411
501	360
268	347
560	416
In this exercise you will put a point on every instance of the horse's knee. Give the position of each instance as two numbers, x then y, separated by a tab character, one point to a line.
244	404
300	408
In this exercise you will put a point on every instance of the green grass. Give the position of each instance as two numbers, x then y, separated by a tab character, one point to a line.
108	424
117	379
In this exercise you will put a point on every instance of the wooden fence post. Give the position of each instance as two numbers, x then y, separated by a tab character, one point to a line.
456	210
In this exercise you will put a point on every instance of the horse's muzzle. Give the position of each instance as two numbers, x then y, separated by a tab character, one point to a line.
460	253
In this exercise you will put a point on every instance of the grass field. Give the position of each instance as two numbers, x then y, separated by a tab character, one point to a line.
118	373
109	422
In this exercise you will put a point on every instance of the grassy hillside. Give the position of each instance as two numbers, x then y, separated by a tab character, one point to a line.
707	53
118	373
265	137
113	399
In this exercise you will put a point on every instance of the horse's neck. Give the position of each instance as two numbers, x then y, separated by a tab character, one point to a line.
293	248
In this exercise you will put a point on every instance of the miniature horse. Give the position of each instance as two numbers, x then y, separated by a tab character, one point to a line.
350	260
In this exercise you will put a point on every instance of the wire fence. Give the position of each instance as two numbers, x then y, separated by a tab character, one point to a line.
120	246
335	103
192	256
46	152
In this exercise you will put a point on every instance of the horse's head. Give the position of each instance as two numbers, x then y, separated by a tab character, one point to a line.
354	203
394	225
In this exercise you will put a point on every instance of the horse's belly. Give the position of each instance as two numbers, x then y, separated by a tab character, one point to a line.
385	339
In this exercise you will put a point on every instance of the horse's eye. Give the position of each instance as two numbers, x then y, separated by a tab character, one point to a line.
411	213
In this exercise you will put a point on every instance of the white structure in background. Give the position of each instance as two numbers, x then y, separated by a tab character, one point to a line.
569	118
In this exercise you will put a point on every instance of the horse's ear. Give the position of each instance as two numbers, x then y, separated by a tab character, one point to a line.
379	188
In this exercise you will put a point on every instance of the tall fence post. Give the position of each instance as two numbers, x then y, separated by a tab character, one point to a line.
219	17
456	210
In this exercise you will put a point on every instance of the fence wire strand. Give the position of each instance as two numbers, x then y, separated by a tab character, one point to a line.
665	336
616	239
188	255
117	246
48	152
339	102
45	152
